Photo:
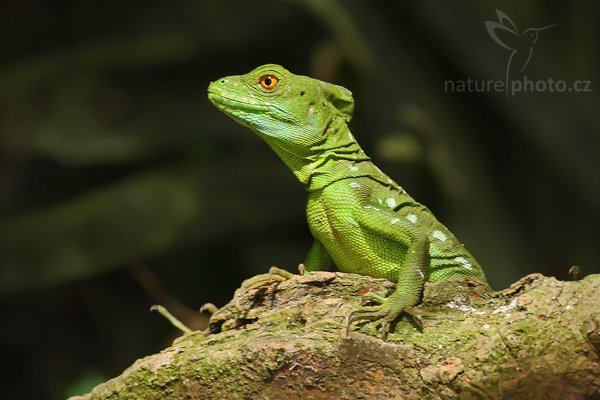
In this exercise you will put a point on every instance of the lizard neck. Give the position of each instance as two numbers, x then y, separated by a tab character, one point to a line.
337	156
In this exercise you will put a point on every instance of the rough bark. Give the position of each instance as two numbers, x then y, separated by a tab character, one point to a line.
538	339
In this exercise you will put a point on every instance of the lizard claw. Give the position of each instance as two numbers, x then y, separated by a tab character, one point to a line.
301	269
209	308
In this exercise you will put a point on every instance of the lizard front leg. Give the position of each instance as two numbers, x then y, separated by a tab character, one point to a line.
411	274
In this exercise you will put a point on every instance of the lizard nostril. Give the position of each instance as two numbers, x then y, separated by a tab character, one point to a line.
222	80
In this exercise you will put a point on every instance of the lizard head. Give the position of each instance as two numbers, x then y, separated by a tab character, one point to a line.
288	111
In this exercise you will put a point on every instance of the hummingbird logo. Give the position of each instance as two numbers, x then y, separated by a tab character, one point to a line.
505	33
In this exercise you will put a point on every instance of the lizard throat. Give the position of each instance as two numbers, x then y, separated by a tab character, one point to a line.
338	156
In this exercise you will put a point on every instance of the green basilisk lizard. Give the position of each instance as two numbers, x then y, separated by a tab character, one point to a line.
361	220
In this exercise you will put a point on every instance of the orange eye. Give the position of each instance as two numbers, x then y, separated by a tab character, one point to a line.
268	82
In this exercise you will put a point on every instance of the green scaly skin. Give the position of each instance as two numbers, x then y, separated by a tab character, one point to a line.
361	220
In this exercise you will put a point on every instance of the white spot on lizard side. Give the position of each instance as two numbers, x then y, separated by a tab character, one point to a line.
464	263
355	185
412	218
439	235
394	221
351	221
390	202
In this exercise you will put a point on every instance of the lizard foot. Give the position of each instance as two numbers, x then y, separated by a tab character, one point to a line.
386	309
275	275
238	312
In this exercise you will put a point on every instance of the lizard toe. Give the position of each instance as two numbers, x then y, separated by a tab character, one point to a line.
275	275
372	297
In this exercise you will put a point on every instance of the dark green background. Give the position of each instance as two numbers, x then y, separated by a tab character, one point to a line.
121	186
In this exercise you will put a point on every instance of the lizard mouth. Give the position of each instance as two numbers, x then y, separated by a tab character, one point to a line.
229	103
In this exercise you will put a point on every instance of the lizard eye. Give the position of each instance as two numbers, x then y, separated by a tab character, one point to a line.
268	82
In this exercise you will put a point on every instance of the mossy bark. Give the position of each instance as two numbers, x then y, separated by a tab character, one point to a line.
538	339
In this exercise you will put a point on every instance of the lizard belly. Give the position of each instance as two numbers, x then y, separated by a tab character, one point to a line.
353	248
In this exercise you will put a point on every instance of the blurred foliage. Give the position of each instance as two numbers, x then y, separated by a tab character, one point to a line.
112	158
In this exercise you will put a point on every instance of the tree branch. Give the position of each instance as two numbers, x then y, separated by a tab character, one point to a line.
538	339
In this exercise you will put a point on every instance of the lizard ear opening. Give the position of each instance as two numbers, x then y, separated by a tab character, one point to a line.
341	99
